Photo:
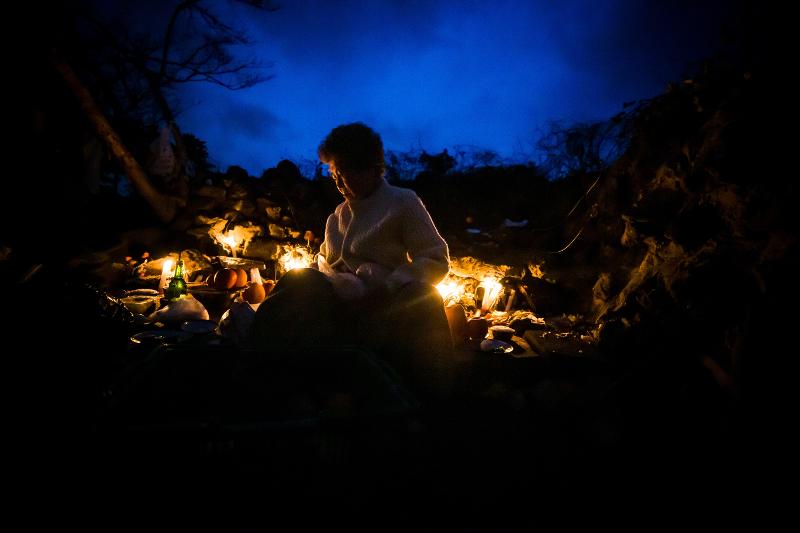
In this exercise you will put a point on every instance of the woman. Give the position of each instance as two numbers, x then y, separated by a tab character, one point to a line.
375	275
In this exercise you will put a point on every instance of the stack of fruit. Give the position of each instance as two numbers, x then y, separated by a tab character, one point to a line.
255	291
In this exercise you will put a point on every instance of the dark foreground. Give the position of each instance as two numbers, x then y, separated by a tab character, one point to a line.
208	436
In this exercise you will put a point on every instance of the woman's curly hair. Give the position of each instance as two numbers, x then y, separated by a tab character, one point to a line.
355	147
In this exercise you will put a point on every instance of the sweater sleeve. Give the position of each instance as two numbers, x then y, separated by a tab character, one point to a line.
330	225
429	259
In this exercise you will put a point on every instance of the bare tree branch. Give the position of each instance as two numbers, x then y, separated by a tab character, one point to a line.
165	206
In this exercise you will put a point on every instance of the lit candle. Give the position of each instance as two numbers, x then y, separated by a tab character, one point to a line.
166	275
230	240
297	257
491	291
450	291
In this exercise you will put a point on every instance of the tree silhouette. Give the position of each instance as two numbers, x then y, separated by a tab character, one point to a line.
583	148
135	73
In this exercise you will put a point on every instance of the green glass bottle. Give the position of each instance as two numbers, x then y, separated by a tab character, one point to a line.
177	285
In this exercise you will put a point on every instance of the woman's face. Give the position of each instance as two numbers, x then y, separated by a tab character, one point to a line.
353	185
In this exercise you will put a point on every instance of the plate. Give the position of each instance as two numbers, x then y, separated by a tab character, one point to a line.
142	292
199	327
240	262
143	304
160	336
495	346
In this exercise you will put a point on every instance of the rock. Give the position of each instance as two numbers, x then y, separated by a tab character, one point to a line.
629	236
237	191
263	202
202	203
470	267
525	320
601	291
202	220
273	212
550	298
209	191
198	233
277	231
264	248
245	207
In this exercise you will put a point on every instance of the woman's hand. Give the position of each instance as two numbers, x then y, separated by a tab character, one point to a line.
373	274
348	286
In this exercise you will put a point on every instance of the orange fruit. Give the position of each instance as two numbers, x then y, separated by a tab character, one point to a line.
254	294
225	279
241	278
268	286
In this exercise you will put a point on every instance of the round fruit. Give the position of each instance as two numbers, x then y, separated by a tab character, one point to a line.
268	286
225	279
254	294
241	278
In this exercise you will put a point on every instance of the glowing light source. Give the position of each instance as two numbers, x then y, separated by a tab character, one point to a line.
297	257
166	275
235	239
230	242
450	291
491	289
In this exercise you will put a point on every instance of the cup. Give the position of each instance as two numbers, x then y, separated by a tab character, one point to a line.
478	327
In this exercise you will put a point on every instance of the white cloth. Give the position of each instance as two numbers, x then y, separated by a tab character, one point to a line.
184	308
387	238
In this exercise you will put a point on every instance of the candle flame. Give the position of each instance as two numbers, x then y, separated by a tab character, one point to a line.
230	240
297	257
450	290
234	240
166	274
491	289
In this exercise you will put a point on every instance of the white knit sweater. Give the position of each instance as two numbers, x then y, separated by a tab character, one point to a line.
389	235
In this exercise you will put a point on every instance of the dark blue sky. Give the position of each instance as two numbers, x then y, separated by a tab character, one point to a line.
435	74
